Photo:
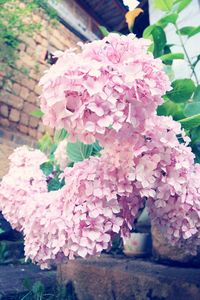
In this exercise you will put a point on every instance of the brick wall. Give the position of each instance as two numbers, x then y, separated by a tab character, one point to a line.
20	95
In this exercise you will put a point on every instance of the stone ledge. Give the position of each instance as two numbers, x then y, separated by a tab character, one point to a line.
108	278
12	277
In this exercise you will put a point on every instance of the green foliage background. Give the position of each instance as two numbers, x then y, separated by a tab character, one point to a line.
14	21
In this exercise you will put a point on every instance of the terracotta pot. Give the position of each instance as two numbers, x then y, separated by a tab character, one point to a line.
165	253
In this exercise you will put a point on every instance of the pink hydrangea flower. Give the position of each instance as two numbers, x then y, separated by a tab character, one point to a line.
111	83
23	180
109	91
61	154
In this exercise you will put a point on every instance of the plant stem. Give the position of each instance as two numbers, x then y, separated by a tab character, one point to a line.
186	54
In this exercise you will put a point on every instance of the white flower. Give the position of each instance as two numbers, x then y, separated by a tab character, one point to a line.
132	4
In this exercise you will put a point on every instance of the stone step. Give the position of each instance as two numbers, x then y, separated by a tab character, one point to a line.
13	278
108	278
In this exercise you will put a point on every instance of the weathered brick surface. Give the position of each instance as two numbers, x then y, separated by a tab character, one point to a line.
12	100
24	119
14	115
108	278
4	122
23	128
32	132
4	110
16	88
24	93
33	122
17	102
29	108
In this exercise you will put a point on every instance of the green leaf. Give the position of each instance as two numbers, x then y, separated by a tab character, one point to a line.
159	39
104	30
189	30
182	90
78	151
164	5
195	135
27	283
147	31
167	50
196	61
96	148
37	113
60	135
38	288
55	184
172	18
171	56
192	109
170	108
196	96
191	122
183	4
45	143
47	168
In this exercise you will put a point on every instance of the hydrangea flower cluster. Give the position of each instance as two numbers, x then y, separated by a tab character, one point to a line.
23	180
111	83
60	154
110	92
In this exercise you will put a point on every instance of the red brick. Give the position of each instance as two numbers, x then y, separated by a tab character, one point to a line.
28	83
12	100
23	129
4	122
34	122
38	90
44	31
39	135
35	75
38	38
18	76
55	42
16	89
29	41
41	128
22	47
28	107
32	98
40	53
24	118
27	60
24	93
32	132
14	115
30	50
4	110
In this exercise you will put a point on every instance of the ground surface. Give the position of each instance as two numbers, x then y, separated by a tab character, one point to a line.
13	278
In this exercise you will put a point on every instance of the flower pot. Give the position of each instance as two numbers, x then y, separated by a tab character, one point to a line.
166	253
138	244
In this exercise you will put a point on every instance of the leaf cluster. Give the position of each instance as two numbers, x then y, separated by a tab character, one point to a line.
15	20
183	101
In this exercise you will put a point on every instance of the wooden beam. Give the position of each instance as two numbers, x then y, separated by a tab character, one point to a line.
120	6
90	11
